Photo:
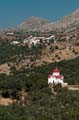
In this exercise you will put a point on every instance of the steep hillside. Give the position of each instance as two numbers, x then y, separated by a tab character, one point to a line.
69	20
41	105
63	46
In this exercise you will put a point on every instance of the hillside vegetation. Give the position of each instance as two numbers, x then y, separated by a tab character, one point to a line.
27	56
42	104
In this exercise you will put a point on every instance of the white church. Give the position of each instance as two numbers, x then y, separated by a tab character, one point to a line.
56	78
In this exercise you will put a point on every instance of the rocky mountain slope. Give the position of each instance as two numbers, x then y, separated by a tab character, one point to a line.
35	23
70	20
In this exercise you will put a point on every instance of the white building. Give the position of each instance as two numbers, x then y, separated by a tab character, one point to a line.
15	42
25	41
10	33
51	37
34	41
56	78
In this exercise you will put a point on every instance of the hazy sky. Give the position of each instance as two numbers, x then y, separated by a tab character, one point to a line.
13	12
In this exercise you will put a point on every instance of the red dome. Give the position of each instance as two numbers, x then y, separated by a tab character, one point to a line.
49	76
59	76
56	70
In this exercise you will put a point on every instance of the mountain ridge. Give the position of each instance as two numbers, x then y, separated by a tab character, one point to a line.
40	24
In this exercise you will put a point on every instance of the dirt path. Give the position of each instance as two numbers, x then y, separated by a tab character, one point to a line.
6	101
73	87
